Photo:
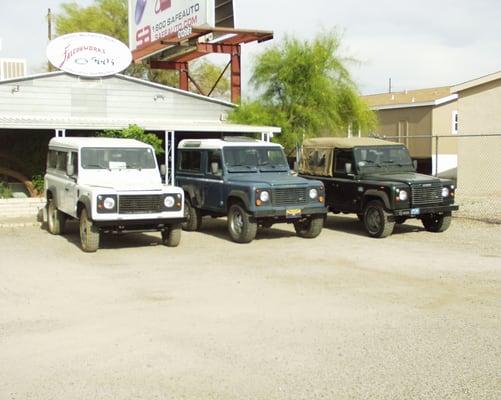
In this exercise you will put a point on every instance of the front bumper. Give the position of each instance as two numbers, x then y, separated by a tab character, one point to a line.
416	212
138	225
291	213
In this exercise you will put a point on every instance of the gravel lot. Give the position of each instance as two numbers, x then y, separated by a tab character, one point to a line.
414	316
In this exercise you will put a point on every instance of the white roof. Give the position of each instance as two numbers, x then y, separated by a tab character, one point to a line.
61	101
219	143
124	77
79	142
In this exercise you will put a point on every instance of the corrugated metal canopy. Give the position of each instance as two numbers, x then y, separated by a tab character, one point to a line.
92	123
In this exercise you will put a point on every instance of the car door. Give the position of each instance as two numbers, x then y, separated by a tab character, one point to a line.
190	175
342	190
60	180
70	186
213	184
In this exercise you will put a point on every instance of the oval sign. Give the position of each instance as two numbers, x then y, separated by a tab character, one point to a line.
88	54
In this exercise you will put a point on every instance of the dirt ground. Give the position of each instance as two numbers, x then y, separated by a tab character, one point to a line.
343	316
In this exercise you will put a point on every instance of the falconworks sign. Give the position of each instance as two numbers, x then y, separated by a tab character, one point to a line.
88	54
151	20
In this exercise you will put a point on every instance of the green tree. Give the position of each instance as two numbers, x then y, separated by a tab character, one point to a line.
110	17
138	133
206	74
305	88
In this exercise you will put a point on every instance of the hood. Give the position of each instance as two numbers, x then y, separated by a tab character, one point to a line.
402	177
275	179
125	180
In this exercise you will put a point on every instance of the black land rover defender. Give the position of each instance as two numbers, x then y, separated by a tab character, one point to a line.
376	180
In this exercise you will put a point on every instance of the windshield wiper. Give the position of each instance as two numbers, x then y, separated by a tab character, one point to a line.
95	166
373	162
242	166
133	166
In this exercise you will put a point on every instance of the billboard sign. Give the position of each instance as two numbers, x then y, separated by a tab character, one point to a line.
88	54
151	20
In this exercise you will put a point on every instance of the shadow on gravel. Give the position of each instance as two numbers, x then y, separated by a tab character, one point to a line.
217	227
112	241
353	226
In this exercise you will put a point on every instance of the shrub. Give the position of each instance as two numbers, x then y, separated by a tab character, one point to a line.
5	192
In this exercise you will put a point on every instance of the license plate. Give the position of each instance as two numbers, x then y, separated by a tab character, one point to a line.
293	213
415	211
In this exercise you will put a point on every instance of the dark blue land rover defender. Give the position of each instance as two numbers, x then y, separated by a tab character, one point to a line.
250	182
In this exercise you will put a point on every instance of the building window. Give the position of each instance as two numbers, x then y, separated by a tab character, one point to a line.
455	123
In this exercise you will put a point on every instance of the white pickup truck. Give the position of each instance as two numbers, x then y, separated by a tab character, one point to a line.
109	185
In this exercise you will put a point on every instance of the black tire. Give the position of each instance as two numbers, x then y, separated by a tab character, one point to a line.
89	233
309	228
193	217
55	218
171	237
240	227
376	220
436	223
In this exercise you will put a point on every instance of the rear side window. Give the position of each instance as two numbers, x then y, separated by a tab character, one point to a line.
190	160
343	157
62	159
74	162
52	159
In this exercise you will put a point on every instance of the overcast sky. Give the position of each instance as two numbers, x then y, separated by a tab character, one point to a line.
417	43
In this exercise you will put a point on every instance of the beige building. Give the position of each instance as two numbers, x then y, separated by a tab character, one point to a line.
479	110
415	118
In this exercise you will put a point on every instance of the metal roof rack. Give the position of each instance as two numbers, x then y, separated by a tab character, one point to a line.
239	139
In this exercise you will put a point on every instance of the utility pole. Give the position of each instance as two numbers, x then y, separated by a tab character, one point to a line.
389	86
49	34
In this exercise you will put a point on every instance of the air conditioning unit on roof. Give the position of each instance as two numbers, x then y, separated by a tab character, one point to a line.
12	68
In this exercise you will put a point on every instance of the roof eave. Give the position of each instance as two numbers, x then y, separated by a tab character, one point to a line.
433	103
476	82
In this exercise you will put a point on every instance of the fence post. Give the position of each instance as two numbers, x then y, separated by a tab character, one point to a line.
436	155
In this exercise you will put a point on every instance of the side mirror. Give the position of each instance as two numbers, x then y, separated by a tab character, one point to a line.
415	164
348	168
70	170
163	170
214	168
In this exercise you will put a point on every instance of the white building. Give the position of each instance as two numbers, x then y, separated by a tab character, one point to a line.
36	108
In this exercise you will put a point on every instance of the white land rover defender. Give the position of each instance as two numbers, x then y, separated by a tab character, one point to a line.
109	185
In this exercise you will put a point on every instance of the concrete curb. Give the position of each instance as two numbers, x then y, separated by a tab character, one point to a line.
4	225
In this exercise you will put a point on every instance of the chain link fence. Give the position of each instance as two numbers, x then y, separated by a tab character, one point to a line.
472	161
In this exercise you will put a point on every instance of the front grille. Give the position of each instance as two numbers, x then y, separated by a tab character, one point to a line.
426	193
140	204
284	197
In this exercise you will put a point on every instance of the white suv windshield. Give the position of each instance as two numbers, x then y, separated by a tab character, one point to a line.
109	158
252	158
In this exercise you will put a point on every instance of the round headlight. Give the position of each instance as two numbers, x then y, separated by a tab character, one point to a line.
313	194
445	192
169	202
264	196
109	203
402	195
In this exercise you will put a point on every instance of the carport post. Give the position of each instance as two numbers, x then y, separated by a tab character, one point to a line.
266	136
170	154
60	132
